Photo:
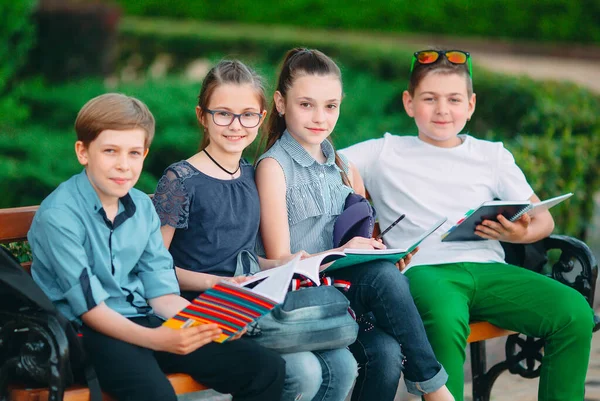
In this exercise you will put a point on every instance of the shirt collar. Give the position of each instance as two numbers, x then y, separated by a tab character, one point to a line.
301	156
91	197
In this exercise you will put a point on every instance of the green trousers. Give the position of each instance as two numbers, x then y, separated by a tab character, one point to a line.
449	296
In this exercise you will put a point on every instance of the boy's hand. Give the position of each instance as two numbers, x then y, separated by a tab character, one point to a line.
240	334
184	341
402	263
363	243
503	229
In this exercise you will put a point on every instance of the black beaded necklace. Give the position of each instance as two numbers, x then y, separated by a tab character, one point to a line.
231	173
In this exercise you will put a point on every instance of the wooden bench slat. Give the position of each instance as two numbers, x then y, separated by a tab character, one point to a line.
181	383
484	331
15	222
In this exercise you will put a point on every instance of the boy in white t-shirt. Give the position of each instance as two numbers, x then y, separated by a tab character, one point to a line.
441	173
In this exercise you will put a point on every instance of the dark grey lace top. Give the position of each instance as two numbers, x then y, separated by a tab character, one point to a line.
214	219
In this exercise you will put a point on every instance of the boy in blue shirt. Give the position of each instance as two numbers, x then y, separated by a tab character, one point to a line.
99	256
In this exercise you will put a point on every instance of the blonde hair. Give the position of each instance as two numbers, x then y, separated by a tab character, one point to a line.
113	111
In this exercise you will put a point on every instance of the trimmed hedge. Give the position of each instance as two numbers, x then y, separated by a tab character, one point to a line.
545	20
550	127
506	104
514	105
557	164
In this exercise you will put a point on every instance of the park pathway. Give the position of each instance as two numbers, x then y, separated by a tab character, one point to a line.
562	62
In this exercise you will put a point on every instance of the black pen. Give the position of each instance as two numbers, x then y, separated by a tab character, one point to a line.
390	227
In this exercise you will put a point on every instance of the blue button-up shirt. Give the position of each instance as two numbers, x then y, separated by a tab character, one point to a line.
80	258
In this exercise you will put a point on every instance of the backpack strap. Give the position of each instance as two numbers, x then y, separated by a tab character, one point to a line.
79	356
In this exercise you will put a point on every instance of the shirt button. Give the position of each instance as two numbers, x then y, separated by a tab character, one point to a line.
321	175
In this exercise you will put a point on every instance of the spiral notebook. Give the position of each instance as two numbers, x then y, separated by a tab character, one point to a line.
232	306
464	229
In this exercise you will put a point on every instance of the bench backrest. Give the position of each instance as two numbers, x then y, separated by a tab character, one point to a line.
14	225
15	222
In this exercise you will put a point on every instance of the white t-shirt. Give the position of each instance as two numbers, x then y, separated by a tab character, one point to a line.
406	175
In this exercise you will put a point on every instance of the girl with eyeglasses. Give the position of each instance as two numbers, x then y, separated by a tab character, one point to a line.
303	184
210	213
441	172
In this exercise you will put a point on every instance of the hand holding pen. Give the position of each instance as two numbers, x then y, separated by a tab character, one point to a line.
402	263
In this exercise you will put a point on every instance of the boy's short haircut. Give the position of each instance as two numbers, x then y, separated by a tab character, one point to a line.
441	66
113	111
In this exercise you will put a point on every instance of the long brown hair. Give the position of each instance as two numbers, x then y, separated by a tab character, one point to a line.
296	63
229	72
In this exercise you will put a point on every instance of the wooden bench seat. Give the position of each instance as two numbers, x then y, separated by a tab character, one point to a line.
481	331
181	383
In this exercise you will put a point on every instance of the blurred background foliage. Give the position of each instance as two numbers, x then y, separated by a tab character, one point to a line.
17	34
551	127
511	18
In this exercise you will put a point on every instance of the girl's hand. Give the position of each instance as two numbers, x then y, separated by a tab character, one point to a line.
503	229
237	279
402	263
303	255
363	243
214	280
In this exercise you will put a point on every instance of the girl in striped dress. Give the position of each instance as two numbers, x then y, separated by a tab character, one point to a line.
303	184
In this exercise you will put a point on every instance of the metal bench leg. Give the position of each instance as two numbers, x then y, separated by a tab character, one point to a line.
483	380
481	390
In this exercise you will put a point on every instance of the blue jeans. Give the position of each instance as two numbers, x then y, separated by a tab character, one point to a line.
391	337
318	376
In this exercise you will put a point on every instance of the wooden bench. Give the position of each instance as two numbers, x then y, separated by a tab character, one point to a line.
576	267
14	224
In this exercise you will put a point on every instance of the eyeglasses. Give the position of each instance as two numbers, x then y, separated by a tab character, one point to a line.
225	118
431	56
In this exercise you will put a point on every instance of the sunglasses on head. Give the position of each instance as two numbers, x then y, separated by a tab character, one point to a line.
431	56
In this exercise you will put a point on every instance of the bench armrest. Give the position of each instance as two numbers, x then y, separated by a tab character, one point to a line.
560	257
37	348
576	266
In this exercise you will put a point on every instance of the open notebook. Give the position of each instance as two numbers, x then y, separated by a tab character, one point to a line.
464	229
234	306
358	256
